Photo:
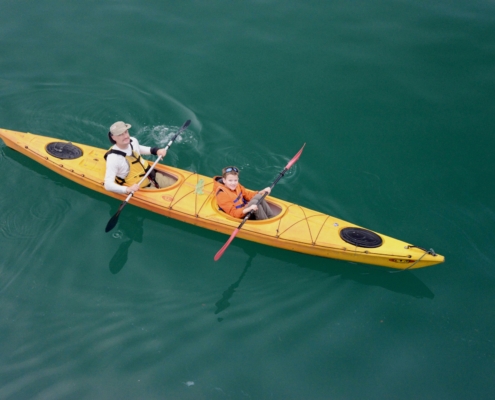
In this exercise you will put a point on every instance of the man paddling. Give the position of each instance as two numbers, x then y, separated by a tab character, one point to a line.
125	166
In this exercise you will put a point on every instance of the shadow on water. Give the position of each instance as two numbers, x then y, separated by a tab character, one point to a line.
404	282
132	228
119	259
224	303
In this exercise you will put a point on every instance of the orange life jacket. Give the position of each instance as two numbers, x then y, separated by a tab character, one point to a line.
230	201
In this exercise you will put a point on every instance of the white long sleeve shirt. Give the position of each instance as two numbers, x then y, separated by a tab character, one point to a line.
119	166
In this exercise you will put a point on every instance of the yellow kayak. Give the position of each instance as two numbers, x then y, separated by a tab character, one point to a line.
191	199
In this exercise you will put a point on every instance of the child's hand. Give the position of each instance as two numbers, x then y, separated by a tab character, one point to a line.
253	207
267	190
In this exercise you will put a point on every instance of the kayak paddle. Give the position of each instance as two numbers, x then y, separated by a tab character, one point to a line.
280	175
113	221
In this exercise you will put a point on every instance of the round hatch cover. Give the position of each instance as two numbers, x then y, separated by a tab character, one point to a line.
361	237
63	150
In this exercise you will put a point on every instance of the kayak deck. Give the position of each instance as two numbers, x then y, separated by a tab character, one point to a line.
191	199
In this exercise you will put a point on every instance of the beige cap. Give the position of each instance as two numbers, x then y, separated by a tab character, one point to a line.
118	128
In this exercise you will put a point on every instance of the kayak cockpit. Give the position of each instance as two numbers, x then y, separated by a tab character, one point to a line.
276	209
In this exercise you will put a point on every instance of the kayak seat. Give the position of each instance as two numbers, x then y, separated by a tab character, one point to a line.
163	178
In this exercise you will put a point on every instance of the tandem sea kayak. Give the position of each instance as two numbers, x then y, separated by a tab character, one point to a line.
191	199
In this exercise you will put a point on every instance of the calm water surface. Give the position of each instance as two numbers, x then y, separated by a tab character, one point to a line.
395	102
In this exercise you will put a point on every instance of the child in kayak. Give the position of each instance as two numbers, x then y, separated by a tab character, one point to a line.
235	200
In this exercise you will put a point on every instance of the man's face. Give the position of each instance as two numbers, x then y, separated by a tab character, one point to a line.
122	140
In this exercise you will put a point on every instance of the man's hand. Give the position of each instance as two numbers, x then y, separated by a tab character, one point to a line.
161	152
133	188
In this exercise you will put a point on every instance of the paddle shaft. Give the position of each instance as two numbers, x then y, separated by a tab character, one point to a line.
280	175
144	177
113	221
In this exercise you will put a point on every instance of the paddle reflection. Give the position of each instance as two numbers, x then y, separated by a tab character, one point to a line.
224	303
130	227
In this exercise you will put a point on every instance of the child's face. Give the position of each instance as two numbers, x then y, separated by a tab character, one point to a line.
231	181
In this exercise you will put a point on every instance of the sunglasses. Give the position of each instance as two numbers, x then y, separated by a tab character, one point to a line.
230	169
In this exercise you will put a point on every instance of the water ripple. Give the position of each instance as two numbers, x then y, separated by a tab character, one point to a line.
45	214
259	166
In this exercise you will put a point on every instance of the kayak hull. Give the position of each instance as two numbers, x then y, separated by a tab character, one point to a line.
191	200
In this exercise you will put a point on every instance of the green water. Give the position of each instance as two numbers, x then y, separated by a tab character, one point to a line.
395	102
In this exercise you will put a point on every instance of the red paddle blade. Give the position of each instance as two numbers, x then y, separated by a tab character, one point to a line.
295	158
222	250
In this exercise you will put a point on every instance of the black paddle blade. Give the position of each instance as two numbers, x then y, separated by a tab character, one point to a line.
113	221
111	224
